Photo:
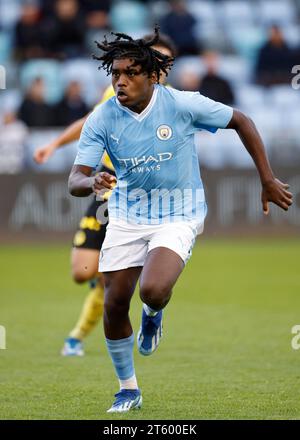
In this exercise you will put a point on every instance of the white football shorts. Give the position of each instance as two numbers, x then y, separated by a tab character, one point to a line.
127	245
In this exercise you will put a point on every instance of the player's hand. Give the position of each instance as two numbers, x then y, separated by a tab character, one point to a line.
277	192
103	184
42	155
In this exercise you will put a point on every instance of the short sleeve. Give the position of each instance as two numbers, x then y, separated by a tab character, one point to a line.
206	113
92	142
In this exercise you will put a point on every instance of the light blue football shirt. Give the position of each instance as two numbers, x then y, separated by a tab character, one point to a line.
153	153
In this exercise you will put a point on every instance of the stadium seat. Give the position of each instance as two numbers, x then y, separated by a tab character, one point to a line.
269	122
234	152
277	11
291	123
291	33
211	36
50	71
10	12
246	40
158	9
87	74
284	145
186	64
284	97
5	46
203	11
235	69
10	100
129	17
232	12
250	96
210	155
222	149
206	28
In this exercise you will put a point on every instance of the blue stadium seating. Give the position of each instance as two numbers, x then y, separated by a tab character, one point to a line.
237	28
50	71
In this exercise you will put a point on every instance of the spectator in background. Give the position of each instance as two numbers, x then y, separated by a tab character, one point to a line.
179	24
96	13
47	7
274	60
97	20
65	30
212	84
72	106
28	34
34	111
13	135
129	16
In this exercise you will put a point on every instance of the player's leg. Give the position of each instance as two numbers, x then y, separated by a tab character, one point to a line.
84	265
119	288
169	249
87	243
160	273
92	309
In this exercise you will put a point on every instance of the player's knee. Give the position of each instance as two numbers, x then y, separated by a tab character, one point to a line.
155	295
81	275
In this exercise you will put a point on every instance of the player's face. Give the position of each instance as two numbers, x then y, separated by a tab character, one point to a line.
132	87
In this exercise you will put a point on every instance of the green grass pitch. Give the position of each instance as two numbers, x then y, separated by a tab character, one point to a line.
226	351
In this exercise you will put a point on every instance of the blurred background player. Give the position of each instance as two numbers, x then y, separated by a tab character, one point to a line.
88	239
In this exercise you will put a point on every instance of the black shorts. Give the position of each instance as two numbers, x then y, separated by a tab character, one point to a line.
91	232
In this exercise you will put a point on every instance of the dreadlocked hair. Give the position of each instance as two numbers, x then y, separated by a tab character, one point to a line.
140	50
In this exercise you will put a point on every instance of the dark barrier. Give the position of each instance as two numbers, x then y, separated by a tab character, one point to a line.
38	206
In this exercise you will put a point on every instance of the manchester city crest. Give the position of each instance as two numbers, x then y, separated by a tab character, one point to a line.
164	132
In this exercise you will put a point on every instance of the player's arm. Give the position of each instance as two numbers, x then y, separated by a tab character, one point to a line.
70	134
92	144
272	189
81	182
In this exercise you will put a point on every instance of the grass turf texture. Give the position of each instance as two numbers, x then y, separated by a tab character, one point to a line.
226	351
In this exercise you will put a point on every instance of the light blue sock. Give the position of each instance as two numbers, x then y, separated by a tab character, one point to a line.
121	353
